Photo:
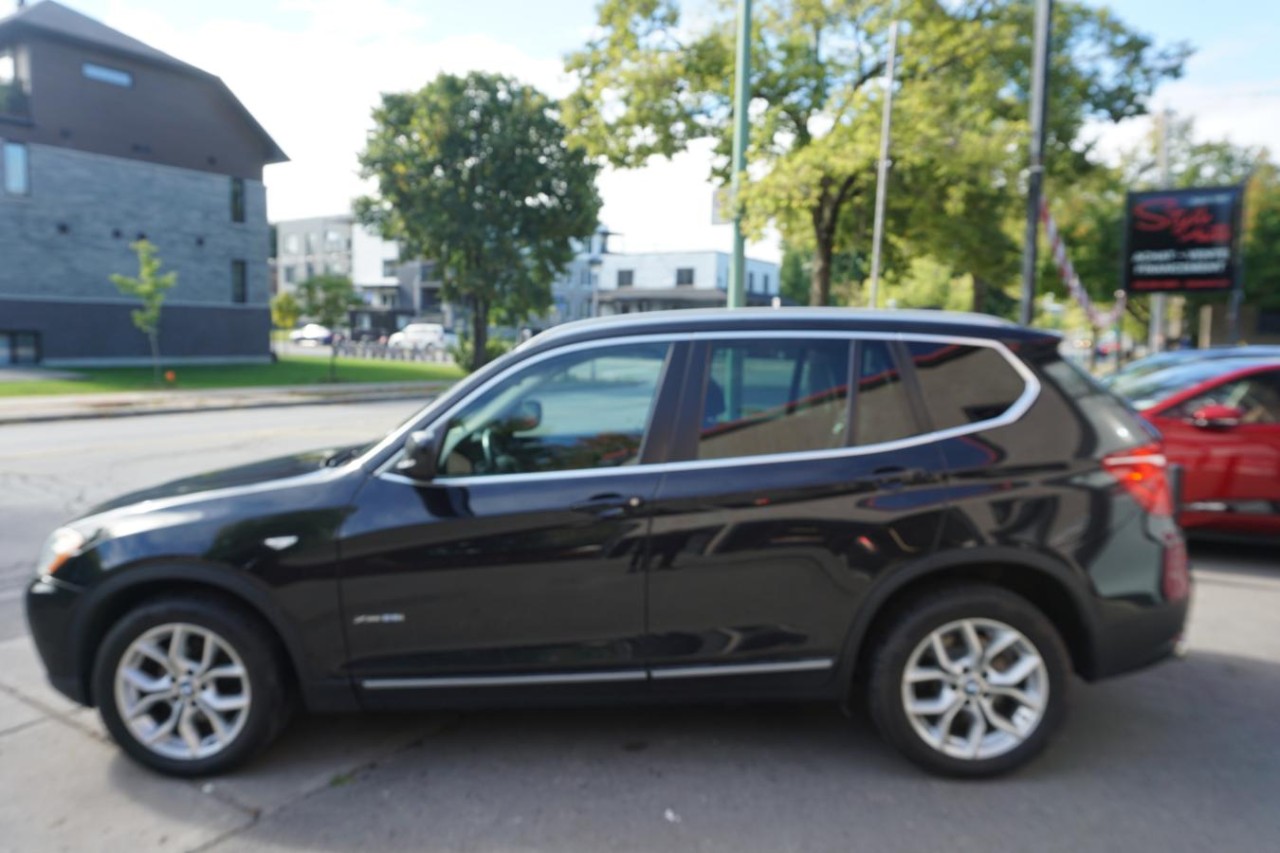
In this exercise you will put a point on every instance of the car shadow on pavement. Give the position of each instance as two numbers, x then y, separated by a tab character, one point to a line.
1134	754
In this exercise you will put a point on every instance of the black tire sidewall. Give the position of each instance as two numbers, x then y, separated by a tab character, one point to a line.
251	642
919	619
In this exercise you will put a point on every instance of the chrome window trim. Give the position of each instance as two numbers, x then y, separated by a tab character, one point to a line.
1030	392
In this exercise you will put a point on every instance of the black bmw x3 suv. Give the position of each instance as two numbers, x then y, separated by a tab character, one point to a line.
932	513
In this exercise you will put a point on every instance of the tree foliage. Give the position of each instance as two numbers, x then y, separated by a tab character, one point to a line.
327	300
285	310
650	82
476	172
150	286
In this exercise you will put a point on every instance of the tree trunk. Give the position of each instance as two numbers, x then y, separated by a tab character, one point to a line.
479	332
979	304
154	339
820	283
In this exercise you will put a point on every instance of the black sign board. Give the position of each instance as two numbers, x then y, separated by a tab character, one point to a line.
1182	240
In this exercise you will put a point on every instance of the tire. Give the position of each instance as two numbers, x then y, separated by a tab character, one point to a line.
998	724
230	668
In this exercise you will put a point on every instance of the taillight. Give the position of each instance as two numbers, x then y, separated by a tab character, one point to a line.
1175	578
1141	471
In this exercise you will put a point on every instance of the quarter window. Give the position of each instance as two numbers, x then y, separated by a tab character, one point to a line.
571	412
963	385
774	397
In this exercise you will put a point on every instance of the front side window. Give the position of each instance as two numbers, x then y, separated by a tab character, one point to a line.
1257	398
776	396
575	411
15	169
963	385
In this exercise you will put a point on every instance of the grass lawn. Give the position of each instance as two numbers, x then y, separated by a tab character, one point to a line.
289	370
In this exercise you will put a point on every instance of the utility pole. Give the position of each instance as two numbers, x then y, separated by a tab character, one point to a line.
1160	301
741	99
1035	178
882	174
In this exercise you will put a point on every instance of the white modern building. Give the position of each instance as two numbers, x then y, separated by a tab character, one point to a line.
654	281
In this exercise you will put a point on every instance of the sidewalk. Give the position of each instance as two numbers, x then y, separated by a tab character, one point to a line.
64	407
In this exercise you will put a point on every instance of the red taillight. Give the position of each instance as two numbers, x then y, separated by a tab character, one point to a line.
1175	579
1142	473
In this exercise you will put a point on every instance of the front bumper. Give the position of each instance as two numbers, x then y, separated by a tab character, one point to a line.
51	607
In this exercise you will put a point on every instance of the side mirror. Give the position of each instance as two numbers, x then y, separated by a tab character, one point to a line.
421	455
527	416
1215	416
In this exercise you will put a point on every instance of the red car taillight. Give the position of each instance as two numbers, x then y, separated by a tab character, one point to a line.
1142	473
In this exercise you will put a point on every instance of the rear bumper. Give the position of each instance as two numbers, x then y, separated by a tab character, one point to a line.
1137	636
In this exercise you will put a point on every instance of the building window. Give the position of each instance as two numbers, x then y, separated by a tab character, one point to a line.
237	199
312	240
765	286
239	282
291	244
103	74
389	269
626	278
289	275
333	241
684	276
14	100
15	169
751	282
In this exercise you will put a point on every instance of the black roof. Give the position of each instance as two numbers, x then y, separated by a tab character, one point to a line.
52	19
946	323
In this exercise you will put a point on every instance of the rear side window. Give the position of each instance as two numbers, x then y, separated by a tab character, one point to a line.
963	384
882	411
775	396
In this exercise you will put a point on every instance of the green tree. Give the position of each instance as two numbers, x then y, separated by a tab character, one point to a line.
327	299
650	83
150	286
476	172
285	310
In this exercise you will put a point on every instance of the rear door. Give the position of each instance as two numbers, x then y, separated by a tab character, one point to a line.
799	475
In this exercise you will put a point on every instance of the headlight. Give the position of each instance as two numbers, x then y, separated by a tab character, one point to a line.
63	544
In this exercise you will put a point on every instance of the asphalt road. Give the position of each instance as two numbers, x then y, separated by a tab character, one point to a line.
1184	756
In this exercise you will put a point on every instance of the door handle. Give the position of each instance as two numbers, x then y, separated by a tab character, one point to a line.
608	506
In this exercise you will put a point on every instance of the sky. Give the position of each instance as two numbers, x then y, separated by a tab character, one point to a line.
311	71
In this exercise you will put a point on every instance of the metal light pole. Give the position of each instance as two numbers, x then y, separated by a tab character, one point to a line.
882	173
1156	333
1035	181
741	98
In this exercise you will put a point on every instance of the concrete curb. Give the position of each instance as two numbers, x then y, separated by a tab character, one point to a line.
105	407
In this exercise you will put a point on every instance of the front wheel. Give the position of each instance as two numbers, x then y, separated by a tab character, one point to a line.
190	687
969	681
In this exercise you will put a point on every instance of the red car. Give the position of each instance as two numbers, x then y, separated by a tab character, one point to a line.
1221	423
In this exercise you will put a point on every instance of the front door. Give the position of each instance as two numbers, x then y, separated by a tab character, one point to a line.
521	563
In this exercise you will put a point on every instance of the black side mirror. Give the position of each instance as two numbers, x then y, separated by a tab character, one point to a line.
527	416
421	455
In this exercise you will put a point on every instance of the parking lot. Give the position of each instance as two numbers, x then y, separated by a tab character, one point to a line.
1184	756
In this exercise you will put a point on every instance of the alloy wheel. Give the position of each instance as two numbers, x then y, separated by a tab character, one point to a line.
182	691
975	689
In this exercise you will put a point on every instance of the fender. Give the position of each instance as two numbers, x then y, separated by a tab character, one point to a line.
883	589
319	691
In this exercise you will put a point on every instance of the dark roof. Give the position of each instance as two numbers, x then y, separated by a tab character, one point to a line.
948	323
51	18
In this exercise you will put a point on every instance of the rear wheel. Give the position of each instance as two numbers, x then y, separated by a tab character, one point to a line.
190	687
969	681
